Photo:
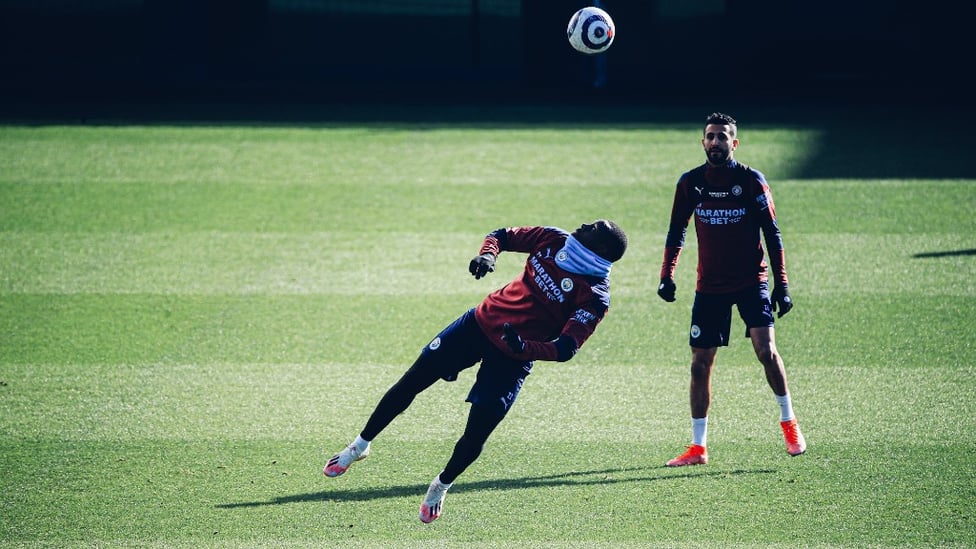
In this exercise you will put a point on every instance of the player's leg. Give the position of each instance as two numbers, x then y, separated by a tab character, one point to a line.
700	394
482	420
398	398
457	347
499	382
764	343
700	391
711	319
756	311
421	375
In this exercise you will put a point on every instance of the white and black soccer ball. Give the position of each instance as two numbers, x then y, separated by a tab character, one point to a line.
590	30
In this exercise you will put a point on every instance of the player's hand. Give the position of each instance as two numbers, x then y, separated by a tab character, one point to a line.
782	300
482	265
513	340
666	289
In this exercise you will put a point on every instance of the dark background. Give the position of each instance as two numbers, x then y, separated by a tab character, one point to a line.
479	51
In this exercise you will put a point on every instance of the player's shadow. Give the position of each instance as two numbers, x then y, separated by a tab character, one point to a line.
575	478
947	253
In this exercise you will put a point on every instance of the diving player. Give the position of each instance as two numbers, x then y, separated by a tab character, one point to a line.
547	313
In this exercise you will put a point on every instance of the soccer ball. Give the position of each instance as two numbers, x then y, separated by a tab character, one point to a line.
590	30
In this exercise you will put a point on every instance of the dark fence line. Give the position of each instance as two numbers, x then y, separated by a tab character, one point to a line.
245	48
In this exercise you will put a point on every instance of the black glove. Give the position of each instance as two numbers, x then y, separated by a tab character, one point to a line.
514	340
482	265
782	299
666	289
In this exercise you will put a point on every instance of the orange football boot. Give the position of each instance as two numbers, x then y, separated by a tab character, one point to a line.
694	455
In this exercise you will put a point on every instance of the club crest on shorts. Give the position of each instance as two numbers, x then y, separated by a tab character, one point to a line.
566	284
695	331
435	344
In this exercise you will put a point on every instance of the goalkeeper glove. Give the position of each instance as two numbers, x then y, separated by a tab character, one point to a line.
482	265
666	289
513	340
782	300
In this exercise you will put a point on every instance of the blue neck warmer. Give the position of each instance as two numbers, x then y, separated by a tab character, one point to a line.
577	258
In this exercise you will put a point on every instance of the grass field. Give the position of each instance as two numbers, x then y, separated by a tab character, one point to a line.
195	315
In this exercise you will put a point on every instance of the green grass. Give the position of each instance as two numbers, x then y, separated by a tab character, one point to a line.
194	316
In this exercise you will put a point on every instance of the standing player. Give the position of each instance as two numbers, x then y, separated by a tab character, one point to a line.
547	313
732	204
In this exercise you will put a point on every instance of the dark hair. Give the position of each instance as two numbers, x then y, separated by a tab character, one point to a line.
615	242
721	119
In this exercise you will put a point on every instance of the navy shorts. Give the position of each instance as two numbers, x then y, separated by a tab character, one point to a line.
711	315
461	345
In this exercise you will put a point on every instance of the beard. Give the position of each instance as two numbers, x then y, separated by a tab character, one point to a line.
717	157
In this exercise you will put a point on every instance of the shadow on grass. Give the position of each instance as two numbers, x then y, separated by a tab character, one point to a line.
948	253
847	147
575	478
